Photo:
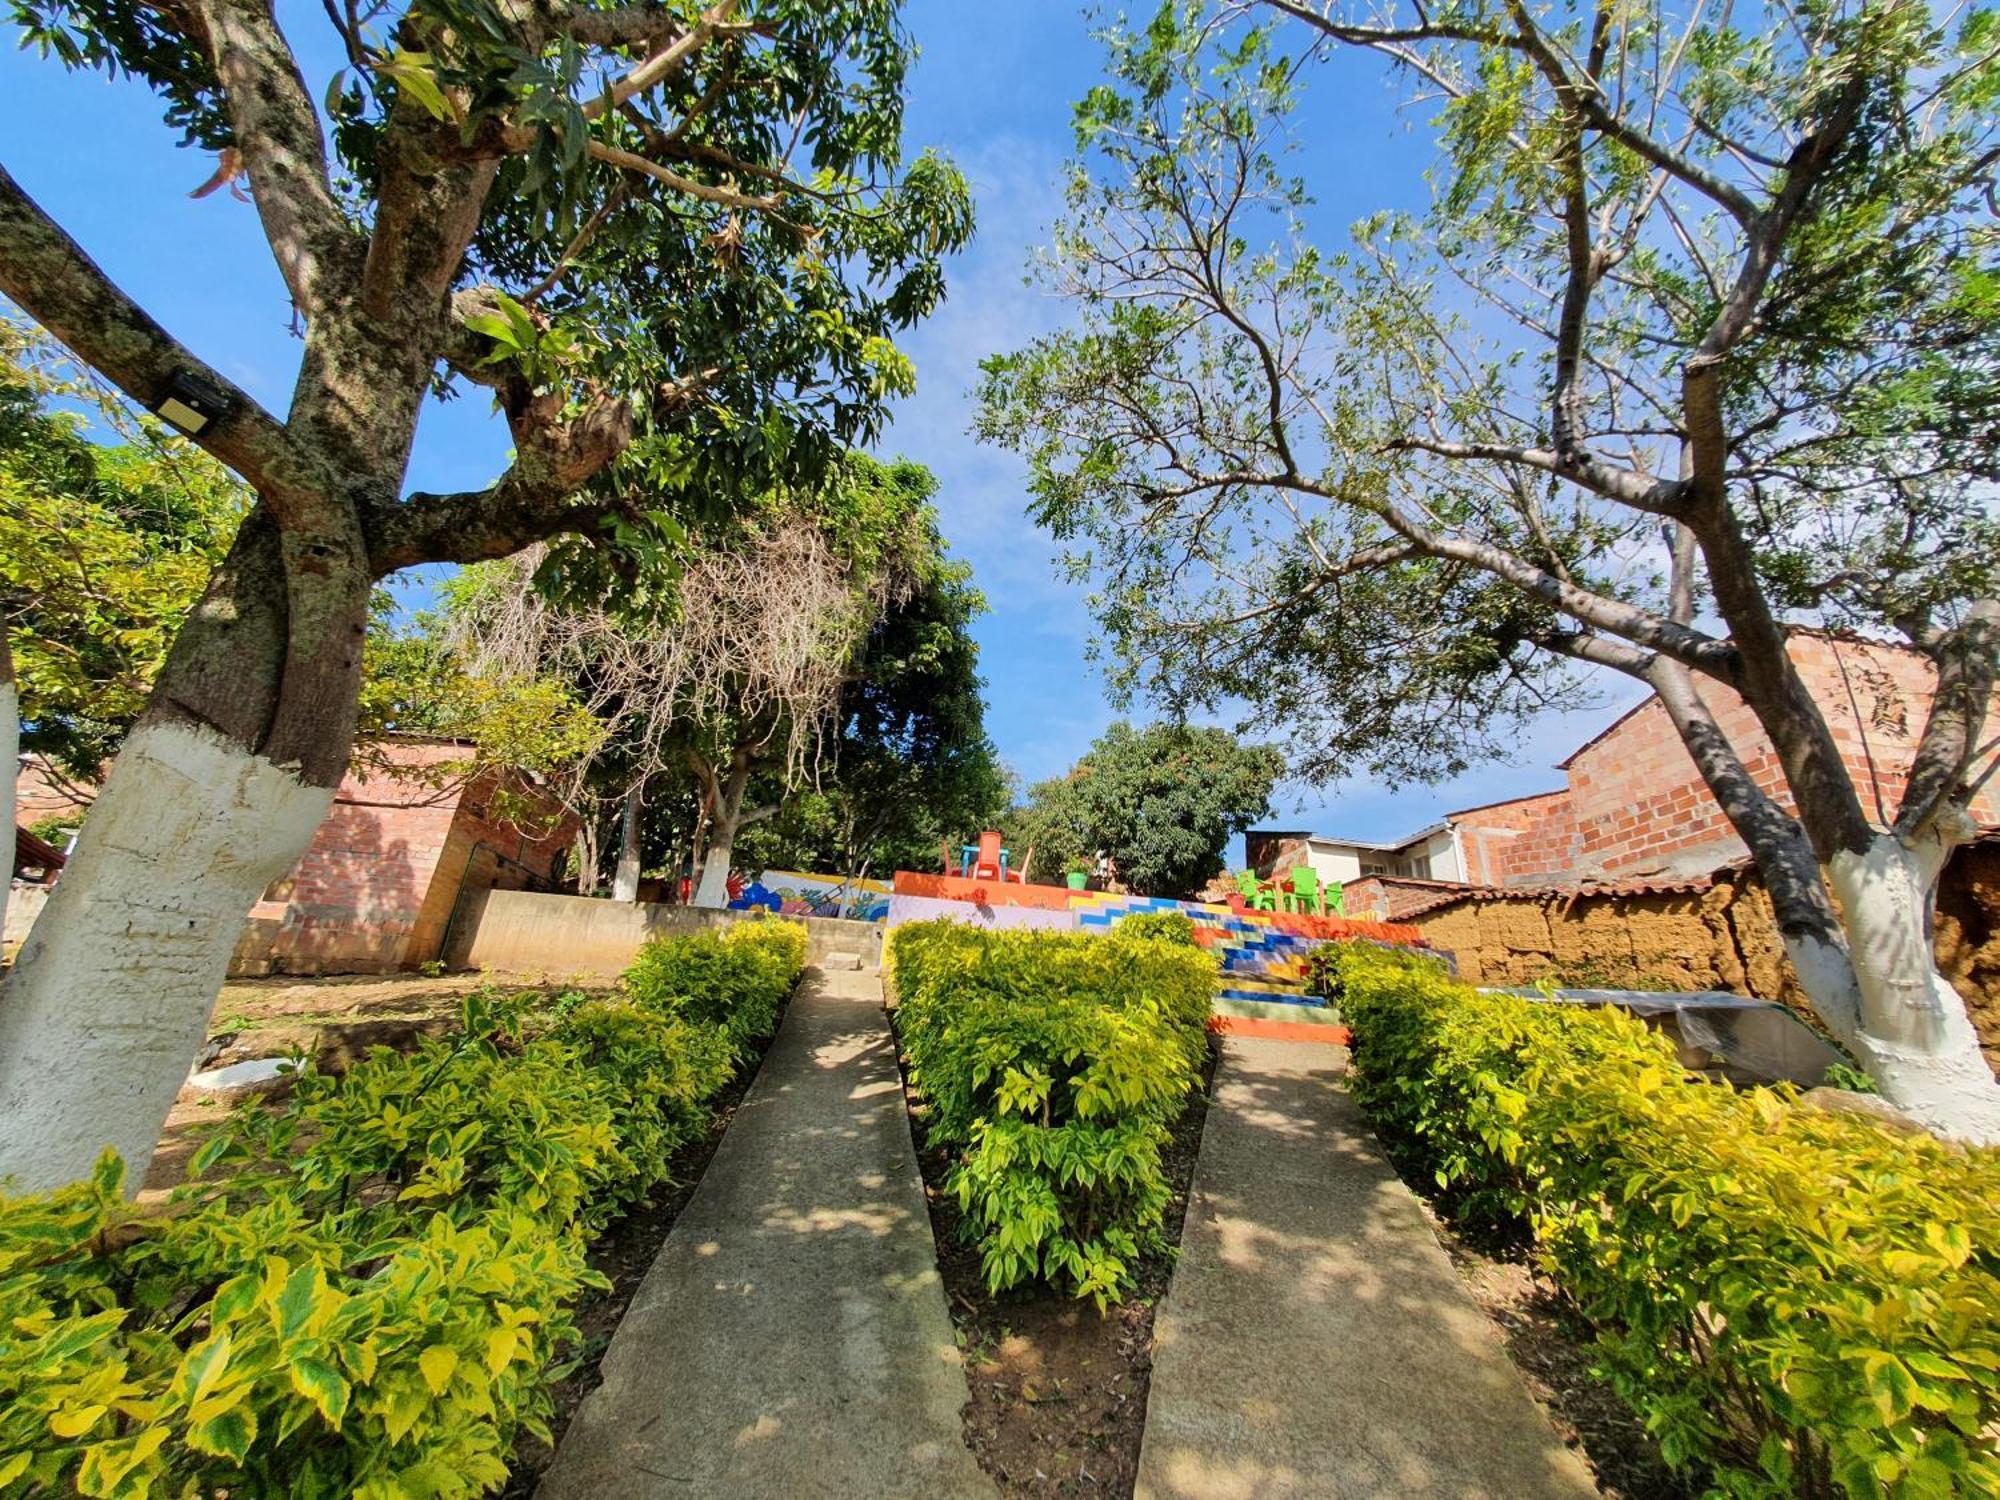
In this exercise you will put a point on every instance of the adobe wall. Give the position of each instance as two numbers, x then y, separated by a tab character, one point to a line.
1720	938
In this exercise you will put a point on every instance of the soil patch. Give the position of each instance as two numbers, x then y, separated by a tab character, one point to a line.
623	1254
335	1020
1551	1347
1058	1392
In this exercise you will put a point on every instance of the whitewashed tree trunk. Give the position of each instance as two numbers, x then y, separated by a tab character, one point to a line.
713	888
625	881
114	988
1910	1027
713	891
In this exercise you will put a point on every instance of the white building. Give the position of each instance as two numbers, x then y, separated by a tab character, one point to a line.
1432	853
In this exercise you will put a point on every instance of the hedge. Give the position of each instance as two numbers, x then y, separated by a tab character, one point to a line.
1054	1063
361	1290
1797	1301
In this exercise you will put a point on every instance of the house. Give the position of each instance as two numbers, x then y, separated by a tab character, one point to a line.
413	831
1428	854
1632	809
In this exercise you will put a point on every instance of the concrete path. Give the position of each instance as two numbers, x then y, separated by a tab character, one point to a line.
1315	1340
791	1339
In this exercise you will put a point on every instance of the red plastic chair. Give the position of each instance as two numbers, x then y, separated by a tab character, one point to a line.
986	865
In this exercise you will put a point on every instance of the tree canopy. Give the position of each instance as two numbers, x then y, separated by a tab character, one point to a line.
906	765
1696	342
1161	802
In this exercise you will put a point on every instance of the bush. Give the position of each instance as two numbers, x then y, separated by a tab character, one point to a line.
736	979
1800	1301
1056	1063
1162	926
368	1302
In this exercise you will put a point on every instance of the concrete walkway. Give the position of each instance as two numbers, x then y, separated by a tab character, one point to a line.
1316	1341
792	1338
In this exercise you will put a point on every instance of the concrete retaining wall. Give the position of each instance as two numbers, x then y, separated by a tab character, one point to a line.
525	932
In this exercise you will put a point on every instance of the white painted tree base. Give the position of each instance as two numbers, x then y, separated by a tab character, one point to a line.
713	891
1899	1015
111	994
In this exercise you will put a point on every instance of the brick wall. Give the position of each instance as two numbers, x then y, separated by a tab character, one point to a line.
1636	807
1517	842
1390	898
377	888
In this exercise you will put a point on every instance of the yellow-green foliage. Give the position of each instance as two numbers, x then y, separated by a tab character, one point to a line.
1055	1063
1165	926
1802	1301
361	1291
725	979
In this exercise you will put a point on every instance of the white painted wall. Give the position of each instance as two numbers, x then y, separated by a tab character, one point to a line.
1335	862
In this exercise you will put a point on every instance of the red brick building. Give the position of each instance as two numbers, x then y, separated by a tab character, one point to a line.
1633	808
410	835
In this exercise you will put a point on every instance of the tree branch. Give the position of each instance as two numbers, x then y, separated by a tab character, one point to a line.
278	138
1967	659
64	290
1660	497
529	503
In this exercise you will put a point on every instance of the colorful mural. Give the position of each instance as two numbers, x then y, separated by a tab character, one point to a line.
802	895
1261	954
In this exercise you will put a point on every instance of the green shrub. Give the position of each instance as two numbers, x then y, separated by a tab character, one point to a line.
1163	926
364	1285
1055	1063
736	979
1802	1302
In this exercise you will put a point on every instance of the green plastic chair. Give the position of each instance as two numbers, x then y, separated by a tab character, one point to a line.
1331	901
1255	896
1304	896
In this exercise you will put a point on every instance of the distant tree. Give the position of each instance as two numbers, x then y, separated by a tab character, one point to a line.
1698	338
674	243
738	674
907	765
109	527
1162	802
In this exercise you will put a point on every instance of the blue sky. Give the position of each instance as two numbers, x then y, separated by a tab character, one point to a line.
993	89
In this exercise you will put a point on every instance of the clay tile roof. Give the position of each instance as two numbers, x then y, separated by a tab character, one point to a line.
1660	887
31	852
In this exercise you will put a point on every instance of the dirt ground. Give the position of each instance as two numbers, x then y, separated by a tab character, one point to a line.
1551	1348
1058	1402
334	1020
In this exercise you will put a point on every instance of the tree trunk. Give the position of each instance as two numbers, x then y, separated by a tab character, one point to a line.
10	758
1914	1034
585	854
713	890
1869	970
212	797
625	882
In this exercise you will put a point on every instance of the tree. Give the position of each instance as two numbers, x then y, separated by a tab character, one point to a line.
1161	802
908	766
1696	341
740	671
673	243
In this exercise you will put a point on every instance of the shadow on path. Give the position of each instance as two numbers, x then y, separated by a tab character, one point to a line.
791	1339
1316	1340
